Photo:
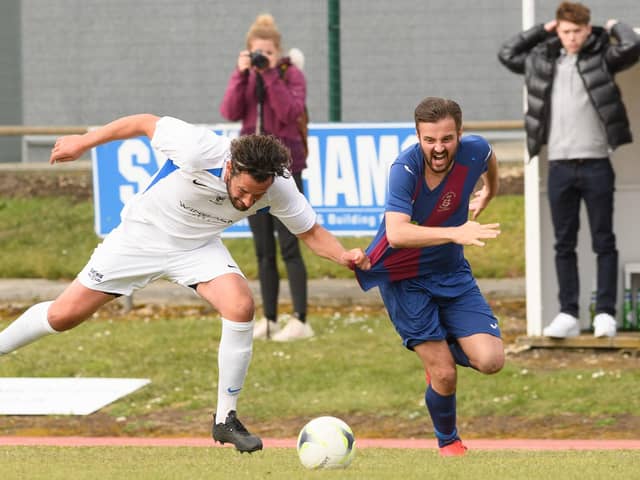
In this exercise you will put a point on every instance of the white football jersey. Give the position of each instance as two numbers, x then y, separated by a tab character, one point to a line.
187	198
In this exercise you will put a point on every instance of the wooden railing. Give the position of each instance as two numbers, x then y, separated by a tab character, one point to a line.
17	130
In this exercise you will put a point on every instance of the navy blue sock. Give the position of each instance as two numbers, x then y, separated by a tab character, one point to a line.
458	354
443	415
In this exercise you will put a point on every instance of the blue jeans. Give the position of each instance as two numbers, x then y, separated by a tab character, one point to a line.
591	180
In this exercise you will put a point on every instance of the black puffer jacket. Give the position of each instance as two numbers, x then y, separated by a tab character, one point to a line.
534	53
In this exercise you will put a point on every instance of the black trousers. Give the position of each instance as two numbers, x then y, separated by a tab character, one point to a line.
569	182
264	226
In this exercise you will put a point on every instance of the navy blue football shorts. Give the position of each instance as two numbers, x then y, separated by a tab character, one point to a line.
438	307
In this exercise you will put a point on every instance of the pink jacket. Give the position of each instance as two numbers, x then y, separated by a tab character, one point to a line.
284	102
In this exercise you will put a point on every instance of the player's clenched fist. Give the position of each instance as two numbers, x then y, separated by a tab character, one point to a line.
67	149
356	258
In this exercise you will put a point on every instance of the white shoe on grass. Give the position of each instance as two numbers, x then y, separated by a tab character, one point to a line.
294	330
264	329
563	326
604	325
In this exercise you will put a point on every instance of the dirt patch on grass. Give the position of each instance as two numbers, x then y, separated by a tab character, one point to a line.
50	182
197	423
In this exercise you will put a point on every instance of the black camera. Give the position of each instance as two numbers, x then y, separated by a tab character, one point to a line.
258	59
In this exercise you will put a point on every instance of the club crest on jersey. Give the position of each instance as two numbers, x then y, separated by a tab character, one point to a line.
446	201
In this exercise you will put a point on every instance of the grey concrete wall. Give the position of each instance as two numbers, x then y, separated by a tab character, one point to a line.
395	53
10	77
89	61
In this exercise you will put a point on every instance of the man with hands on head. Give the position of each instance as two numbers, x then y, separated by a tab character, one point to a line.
576	109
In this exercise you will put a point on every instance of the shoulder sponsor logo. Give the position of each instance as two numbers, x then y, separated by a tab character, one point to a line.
406	167
494	326
95	275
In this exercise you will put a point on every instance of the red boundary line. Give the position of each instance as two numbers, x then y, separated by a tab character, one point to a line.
477	444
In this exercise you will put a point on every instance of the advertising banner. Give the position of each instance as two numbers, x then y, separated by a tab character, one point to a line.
345	180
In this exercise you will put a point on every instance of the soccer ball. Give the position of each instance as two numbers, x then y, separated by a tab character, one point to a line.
326	442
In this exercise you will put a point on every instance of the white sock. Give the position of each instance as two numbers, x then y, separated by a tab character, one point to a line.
28	327
234	355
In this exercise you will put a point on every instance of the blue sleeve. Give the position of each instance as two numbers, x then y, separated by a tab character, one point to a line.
402	185
479	149
486	149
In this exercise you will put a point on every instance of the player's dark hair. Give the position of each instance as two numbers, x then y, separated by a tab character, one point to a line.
261	156
434	109
574	13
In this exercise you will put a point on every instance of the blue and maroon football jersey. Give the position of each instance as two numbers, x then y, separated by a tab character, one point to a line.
445	206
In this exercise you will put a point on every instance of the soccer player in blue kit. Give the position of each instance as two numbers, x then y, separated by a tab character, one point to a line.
418	264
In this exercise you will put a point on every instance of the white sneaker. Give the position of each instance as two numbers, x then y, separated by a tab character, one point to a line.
604	325
294	330
563	326
265	328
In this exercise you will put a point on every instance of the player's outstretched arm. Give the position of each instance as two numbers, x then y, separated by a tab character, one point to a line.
324	244
71	147
473	233
401	233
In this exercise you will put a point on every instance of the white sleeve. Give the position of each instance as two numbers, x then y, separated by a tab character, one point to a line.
291	206
191	147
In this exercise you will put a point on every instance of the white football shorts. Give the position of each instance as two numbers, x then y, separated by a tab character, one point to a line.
132	256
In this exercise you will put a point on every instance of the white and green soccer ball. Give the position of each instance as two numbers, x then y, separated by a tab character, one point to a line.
326	442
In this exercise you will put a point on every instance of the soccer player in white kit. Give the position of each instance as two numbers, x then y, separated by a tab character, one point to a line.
172	230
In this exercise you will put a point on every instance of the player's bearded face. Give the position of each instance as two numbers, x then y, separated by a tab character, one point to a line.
439	142
244	190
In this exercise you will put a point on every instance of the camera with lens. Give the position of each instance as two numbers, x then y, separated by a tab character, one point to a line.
258	59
